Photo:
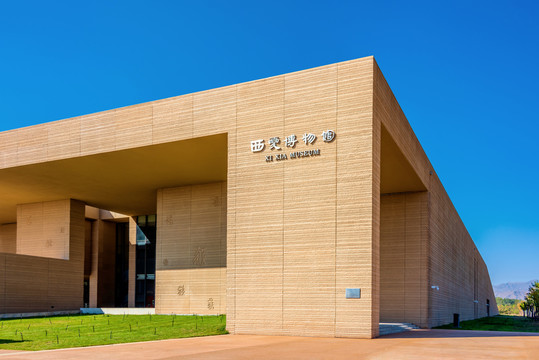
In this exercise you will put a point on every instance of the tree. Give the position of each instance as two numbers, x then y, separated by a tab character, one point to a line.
508	306
534	297
530	306
524	307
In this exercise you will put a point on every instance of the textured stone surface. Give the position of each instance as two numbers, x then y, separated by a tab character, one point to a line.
191	250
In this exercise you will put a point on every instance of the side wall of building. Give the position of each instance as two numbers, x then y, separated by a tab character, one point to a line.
451	251
31	283
456	267
191	250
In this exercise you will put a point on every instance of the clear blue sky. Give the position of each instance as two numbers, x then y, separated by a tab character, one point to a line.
465	73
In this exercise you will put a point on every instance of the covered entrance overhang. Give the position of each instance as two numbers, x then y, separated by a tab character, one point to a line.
122	181
403	241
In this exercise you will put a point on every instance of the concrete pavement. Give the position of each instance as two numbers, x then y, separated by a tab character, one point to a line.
417	344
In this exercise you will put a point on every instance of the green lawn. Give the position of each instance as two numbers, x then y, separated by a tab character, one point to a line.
87	330
498	323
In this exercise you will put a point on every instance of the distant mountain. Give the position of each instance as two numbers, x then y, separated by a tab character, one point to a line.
512	290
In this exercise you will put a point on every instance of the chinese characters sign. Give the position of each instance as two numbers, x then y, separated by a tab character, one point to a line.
290	141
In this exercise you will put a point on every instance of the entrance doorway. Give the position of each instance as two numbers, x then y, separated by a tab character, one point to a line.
119	261
145	261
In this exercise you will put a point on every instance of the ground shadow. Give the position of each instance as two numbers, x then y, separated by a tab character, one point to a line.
7	341
446	333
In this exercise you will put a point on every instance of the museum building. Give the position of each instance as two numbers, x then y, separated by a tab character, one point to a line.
301	204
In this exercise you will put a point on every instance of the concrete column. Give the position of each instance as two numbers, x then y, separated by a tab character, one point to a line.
97	238
102	277
132	262
8	238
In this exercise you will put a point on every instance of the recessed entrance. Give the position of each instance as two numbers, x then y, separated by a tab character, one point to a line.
403	239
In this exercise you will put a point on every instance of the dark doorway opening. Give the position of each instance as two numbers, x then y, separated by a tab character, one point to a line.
145	261
86	292
456	320
121	269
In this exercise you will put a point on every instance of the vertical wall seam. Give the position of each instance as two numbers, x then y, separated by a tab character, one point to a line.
373	280
424	261
336	203
405	255
4	275
80	136
283	226
420	261
429	255
48	285
190	242
153	104
220	205
193	122
235	203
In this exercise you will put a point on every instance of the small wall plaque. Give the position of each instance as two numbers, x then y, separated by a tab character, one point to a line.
353	293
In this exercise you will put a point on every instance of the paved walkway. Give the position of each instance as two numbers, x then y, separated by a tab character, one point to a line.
416	344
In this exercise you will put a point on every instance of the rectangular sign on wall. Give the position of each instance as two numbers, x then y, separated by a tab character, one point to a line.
353	293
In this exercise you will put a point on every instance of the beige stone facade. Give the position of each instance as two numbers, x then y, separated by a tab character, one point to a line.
273	238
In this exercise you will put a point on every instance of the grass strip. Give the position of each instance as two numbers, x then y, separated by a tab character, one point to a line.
88	330
498	323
